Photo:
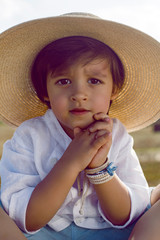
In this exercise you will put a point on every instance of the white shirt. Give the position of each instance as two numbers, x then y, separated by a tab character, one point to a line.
34	150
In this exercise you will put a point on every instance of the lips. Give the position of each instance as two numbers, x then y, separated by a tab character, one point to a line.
79	111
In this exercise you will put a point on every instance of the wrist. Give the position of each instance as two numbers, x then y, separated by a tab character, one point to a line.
96	164
101	174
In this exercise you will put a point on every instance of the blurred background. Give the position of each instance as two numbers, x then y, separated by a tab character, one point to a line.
140	14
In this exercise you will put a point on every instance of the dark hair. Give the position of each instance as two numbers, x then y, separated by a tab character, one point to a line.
62	53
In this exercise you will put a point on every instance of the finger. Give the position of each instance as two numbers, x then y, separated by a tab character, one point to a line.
99	125
98	142
76	131
84	133
100	116
100	133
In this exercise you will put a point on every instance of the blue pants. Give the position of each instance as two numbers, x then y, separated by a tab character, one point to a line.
74	232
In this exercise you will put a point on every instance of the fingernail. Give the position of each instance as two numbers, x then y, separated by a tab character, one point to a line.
107	119
110	134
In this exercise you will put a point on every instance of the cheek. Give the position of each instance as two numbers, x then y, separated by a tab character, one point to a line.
58	103
102	103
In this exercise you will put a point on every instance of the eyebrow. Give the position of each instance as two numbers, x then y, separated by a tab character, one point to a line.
96	73
59	73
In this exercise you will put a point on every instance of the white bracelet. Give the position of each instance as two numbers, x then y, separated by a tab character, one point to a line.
98	169
101	174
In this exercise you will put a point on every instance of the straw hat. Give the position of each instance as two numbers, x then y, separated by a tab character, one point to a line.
138	103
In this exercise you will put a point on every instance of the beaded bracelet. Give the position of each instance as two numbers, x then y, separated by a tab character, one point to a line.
101	174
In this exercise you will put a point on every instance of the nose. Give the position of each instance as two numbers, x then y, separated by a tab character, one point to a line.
79	94
79	97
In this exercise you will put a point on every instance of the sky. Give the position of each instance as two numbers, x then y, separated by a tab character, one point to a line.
140	14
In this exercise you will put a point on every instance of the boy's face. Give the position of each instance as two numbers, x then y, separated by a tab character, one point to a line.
79	92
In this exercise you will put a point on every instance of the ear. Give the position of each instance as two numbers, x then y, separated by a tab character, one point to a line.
46	99
115	93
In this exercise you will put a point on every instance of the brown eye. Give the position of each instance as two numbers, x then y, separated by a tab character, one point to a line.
94	81
63	82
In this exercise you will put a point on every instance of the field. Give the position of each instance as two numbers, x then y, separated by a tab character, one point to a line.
146	145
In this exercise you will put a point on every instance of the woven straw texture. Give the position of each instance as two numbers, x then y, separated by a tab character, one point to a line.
138	104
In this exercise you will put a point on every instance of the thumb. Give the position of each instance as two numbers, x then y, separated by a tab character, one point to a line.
76	131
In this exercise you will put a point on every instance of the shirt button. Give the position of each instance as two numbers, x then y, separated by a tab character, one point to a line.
81	212
78	220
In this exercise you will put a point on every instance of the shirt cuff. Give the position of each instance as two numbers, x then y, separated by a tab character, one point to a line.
18	208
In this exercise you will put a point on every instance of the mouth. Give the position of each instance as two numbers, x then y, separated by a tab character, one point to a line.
79	111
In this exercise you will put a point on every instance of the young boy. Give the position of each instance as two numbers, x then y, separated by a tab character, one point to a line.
83	82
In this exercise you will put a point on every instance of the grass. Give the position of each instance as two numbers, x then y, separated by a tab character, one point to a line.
147	147
151	172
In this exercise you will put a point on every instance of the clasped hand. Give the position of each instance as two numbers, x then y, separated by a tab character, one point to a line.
90	146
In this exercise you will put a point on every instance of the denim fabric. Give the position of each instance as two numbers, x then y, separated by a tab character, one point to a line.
74	232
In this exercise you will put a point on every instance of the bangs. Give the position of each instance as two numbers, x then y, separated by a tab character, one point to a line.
63	53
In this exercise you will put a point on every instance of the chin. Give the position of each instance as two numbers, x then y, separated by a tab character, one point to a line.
84	125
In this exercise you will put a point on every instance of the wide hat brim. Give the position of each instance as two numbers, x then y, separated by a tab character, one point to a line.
138	103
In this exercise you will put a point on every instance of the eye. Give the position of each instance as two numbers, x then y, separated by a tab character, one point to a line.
63	82
94	81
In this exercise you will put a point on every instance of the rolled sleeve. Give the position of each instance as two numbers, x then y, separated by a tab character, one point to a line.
18	177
